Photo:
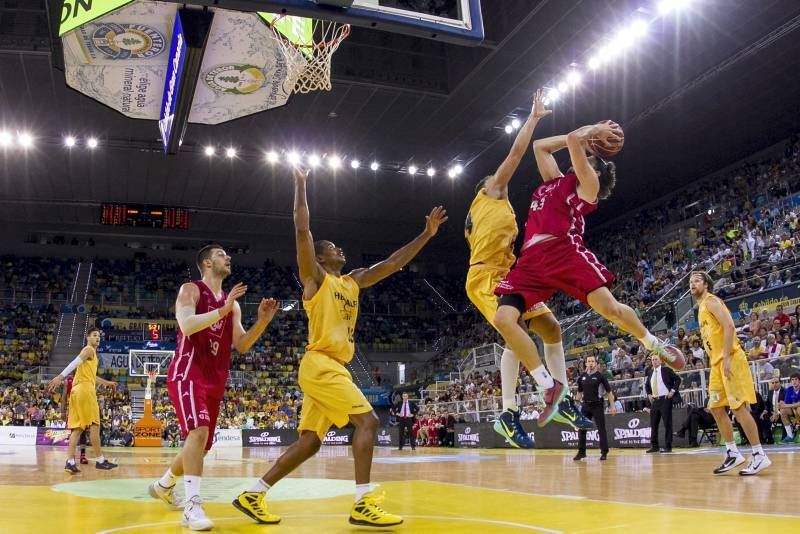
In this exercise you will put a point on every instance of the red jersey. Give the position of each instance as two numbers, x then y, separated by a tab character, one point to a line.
557	210
205	356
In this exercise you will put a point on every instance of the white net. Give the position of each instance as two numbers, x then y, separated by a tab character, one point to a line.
311	63
151	370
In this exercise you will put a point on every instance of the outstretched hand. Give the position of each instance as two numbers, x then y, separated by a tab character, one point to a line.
539	110
238	291
300	175
434	220
267	309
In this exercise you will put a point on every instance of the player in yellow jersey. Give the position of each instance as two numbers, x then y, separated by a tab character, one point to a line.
84	411
730	384
329	394
491	230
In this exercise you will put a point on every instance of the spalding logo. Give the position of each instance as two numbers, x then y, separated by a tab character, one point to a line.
633	423
467	430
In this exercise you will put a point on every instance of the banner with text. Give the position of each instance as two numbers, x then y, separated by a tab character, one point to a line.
268	438
53	436
227	437
377	395
18	435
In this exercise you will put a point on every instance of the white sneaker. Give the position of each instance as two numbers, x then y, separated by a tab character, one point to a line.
731	460
758	462
167	495
194	516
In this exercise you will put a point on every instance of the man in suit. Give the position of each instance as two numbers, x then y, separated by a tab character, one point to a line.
696	418
772	411
406	412
757	410
662	391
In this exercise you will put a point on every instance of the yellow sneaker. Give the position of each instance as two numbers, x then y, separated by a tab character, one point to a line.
252	505
368	513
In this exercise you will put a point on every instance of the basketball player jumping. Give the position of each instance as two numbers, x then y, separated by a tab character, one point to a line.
84	412
491	230
554	258
730	384
329	394
209	322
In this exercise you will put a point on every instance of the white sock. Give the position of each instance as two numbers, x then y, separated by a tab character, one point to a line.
100	459
732	448
168	480
191	485
509	371
361	490
71	461
649	340
789	430
757	449
542	377
259	486
554	359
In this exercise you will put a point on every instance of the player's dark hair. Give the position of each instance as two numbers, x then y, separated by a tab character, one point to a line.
92	329
480	185
795	375
205	254
608	176
705	276
320	246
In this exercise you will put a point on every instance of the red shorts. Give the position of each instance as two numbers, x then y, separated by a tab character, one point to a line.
194	407
558	264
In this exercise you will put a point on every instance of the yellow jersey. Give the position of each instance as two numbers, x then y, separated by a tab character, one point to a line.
86	372
332	314
491	230
712	332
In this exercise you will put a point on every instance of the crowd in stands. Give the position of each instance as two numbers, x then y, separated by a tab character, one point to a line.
26	338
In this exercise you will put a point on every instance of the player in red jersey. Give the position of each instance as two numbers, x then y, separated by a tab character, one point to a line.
209	323
553	256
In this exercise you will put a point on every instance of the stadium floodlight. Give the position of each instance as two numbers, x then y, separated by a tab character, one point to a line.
638	28
25	140
452	173
5	139
562	87
354	163
374	166
69	141
314	160
293	158
230	152
509	129
553	94
594	63
431	172
458	168
334	162
209	150
272	157
574	78
516	124
91	142
412	169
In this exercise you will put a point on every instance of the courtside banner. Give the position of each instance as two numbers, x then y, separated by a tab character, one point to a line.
227	437
387	437
53	436
268	438
18	435
338	436
76	13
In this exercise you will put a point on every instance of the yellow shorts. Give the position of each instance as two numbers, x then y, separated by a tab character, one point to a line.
83	408
731	392
329	394
481	281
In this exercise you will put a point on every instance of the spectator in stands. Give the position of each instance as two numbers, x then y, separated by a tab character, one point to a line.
697	352
696	418
790	408
772	348
754	323
772	403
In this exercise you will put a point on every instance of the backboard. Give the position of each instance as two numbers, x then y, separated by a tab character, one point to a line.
141	360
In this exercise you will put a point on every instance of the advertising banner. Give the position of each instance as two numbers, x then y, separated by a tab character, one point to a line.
388	437
268	438
227	437
377	395
18	435
53	436
75	13
788	296
338	436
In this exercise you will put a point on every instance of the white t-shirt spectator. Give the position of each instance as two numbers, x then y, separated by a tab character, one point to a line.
773	350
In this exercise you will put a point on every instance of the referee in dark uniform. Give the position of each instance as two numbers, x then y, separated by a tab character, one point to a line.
592	387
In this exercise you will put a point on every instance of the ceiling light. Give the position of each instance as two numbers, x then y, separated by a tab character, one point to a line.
431	172
5	139
69	141
562	87
594	63
553	94
334	162
667	6
374	166
574	78
412	169
230	152
516	124
25	140
293	158
458	168
91	142
509	129
354	163
452	173
209	150
272	157
638	28
313	160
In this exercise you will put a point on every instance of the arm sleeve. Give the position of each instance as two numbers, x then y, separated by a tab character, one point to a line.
71	366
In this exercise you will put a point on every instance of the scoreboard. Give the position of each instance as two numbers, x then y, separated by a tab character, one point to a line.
142	215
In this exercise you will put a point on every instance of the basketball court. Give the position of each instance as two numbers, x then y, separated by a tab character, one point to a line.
436	490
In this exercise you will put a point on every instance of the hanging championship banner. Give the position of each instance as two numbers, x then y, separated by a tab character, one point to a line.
76	13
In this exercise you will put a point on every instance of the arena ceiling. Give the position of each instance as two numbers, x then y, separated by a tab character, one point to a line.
703	90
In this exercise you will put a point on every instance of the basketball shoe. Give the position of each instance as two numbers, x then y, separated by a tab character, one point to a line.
105	464
251	503
194	516
758	462
552	399
167	495
569	414
71	468
509	425
732	459
368	513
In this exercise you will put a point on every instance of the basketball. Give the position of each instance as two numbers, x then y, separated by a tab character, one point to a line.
604	149
680	360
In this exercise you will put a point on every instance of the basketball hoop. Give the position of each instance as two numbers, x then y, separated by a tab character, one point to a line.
152	373
311	63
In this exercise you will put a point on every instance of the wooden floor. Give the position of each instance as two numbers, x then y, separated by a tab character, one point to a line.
436	490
